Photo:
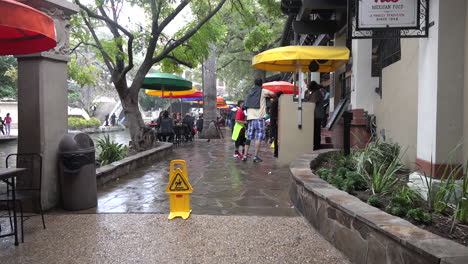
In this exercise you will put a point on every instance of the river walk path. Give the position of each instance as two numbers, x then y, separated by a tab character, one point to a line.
241	213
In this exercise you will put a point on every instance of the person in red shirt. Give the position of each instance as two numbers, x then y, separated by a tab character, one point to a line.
7	123
238	133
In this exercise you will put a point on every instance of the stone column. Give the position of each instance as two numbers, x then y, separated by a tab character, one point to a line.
441	84
42	98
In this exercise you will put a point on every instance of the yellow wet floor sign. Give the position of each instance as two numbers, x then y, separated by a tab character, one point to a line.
179	190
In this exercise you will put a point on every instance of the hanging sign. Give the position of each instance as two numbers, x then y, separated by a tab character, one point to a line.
373	14
388	19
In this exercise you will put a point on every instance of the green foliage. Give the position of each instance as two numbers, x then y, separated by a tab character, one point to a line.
358	182
323	173
382	180
80	123
252	27
8	77
81	74
419	216
375	201
377	153
411	196
110	151
399	206
342	175
340	160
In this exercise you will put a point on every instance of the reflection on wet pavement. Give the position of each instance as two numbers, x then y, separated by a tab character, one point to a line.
222	184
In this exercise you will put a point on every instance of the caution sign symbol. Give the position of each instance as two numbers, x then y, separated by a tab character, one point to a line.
179	184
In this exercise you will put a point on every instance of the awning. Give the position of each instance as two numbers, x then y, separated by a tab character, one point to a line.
24	30
292	58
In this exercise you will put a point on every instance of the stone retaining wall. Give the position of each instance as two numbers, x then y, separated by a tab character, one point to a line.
122	167
364	233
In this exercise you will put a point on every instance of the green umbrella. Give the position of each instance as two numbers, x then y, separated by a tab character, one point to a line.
166	82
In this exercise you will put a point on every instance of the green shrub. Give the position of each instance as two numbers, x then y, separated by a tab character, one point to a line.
110	151
336	181
341	171
80	123
340	160
396	210
323	173
375	201
419	216
348	185
411	196
359	183
399	206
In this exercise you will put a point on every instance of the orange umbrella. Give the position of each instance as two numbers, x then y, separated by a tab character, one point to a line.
24	30
285	87
219	101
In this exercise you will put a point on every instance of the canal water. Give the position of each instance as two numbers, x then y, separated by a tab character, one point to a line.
8	147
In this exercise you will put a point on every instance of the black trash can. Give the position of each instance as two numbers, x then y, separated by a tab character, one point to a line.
77	172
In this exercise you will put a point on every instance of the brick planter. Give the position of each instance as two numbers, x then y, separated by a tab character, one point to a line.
122	167
363	233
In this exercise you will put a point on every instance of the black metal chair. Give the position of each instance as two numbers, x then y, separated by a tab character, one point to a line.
28	184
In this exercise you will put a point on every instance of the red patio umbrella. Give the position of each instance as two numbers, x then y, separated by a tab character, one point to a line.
24	30
285	87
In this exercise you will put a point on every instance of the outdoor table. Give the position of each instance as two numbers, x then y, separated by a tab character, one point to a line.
5	175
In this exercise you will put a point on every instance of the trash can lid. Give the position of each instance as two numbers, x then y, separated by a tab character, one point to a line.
76	143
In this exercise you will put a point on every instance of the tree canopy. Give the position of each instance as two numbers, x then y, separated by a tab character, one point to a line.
253	27
8	77
125	47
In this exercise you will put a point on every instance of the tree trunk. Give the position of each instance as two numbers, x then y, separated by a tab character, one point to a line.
209	95
142	138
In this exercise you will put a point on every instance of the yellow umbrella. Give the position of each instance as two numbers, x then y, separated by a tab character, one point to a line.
168	93
294	58
304	59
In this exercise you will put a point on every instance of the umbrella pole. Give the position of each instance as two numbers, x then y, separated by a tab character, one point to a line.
299	96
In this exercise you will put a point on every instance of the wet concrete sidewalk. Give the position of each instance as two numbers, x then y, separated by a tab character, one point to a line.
151	238
222	185
241	214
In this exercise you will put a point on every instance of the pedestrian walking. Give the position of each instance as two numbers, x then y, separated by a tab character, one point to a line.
199	124
255	102
8	124
106	120
238	132
113	117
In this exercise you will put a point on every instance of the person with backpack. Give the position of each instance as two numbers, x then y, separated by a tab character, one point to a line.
238	133
255	102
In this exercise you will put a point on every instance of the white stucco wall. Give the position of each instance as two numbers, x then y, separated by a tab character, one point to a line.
362	83
12	108
397	111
